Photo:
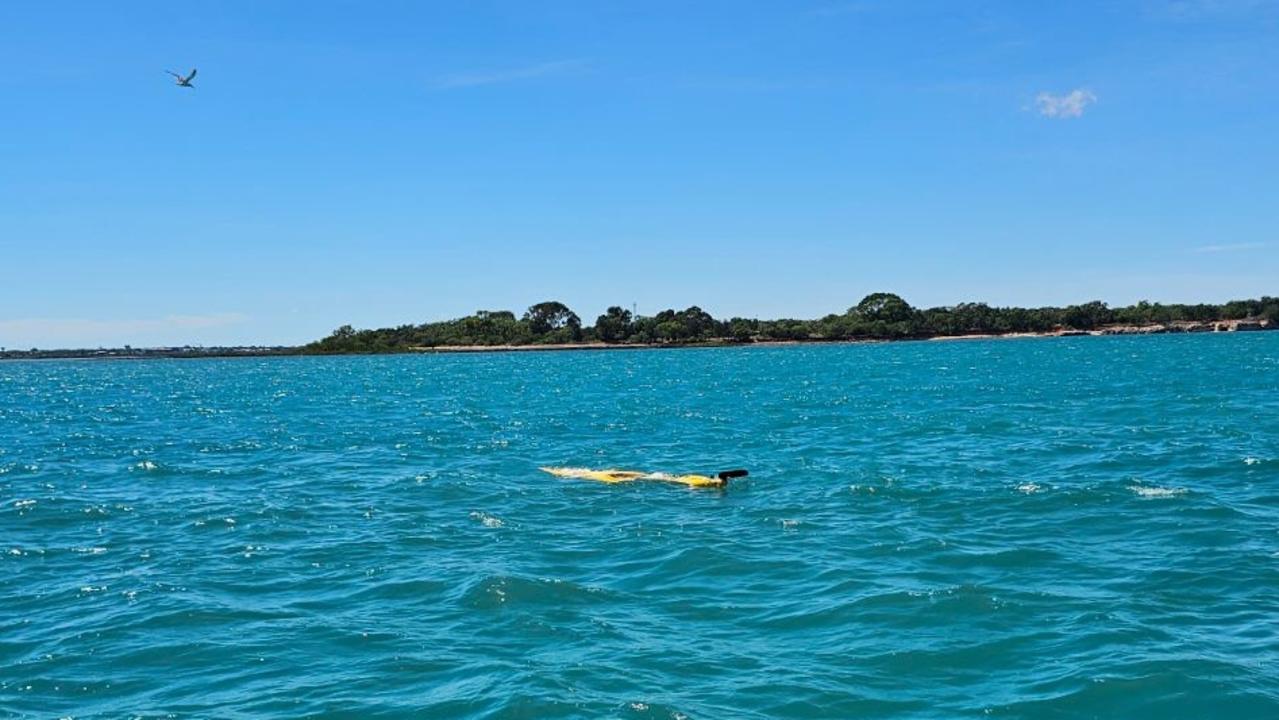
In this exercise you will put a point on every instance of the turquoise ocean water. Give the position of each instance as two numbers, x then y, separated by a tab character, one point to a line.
1064	528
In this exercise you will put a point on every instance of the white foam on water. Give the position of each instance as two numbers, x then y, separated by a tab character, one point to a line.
487	520
89	550
23	504
1029	488
790	523
1156	492
146	466
1251	461
88	589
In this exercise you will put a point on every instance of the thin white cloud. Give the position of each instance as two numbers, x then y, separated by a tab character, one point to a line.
493	77
1062	107
1235	247
751	84
852	7
1189	10
77	332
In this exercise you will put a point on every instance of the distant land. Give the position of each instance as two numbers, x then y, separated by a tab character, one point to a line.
132	353
878	317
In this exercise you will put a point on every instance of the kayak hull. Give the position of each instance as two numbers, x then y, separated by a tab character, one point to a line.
621	476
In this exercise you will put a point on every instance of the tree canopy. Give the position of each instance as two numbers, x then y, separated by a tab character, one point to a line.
880	315
551	316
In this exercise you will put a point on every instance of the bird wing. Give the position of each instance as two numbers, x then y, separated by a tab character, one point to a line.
192	75
174	74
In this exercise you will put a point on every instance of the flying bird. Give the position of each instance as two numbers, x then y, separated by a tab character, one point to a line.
183	81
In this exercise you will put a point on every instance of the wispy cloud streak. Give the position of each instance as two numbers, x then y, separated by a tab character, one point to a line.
1235	247
1191	10
852	7
494	77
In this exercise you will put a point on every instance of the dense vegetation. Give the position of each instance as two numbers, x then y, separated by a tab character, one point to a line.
878	316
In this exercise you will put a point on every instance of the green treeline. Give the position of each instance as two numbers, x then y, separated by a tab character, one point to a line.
882	316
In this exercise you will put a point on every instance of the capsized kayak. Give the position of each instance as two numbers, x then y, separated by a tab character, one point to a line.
617	476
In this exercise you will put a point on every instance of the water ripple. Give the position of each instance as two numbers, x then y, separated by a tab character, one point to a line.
1072	528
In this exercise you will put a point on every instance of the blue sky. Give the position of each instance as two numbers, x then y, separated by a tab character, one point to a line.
378	163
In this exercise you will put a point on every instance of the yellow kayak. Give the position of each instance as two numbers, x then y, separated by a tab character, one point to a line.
618	476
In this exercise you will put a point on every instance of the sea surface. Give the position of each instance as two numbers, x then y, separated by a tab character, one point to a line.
1032	528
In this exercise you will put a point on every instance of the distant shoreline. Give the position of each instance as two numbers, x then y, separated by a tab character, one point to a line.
1205	328
879	316
1230	326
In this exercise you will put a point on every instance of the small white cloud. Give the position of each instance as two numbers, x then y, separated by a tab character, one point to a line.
493	77
1228	248
1070	105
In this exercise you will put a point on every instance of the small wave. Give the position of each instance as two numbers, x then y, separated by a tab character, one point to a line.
145	466
496	591
24	504
1029	488
1156	492
487	520
1251	460
656	712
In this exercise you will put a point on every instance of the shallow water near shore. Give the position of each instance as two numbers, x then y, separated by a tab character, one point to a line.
1075	527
